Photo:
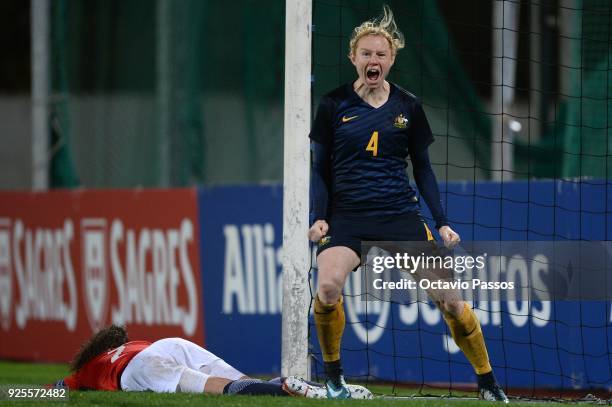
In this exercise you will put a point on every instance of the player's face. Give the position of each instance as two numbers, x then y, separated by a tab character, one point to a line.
373	59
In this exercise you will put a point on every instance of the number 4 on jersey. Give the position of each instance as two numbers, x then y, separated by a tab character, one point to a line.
373	144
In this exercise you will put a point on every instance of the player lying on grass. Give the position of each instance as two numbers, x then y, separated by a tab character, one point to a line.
109	361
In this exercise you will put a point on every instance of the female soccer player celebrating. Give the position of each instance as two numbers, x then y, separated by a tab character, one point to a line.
361	136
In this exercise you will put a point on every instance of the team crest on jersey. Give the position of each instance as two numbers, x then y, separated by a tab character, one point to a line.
324	240
400	122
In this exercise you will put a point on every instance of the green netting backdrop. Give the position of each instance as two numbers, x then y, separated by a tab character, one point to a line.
207	107
584	125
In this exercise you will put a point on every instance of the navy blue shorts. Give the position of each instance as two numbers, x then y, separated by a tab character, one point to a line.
350	231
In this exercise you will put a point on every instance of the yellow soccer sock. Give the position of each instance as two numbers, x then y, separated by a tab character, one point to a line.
467	334
329	320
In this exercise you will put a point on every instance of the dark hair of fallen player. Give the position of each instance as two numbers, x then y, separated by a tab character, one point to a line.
106	339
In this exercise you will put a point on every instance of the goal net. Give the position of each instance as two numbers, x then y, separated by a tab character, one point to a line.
518	98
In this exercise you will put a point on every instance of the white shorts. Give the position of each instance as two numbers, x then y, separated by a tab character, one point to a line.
159	367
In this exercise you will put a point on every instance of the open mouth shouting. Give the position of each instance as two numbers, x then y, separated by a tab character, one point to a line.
373	73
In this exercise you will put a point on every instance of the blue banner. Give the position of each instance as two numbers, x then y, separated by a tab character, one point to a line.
562	344
241	237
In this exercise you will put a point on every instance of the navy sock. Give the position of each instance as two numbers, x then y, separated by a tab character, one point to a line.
333	371
254	387
486	380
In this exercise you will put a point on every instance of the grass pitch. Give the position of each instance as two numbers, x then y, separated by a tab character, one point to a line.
14	374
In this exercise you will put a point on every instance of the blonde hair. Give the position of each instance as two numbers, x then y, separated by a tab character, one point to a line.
384	25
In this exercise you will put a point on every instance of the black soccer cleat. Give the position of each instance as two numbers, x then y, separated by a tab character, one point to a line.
489	389
492	393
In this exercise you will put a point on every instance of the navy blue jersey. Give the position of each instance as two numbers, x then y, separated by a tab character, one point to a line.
369	147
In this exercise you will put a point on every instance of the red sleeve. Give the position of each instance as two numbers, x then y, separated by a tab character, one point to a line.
71	382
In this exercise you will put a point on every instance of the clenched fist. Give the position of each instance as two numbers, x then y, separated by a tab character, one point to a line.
318	230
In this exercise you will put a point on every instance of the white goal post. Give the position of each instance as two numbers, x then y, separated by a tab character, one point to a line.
296	180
